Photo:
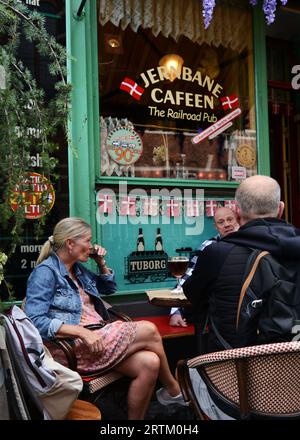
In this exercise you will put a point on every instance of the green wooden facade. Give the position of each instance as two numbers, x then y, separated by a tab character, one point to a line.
84	142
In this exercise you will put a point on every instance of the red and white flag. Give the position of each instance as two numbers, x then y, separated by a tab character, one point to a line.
128	206
230	102
173	208
194	208
231	204
105	203
151	207
131	87
210	207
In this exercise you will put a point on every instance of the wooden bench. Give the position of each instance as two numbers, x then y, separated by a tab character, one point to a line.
83	410
167	331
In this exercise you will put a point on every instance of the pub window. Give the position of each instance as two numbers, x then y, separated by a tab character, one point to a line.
164	80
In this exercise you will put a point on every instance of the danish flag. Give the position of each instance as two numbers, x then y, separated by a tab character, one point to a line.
173	208
128	206
231	204
131	87
151	207
230	102
194	208
105	203
210	207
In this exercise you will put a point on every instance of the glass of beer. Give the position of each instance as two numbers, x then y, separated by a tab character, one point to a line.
177	266
93	252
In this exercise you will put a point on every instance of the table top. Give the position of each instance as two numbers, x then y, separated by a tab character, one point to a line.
165	298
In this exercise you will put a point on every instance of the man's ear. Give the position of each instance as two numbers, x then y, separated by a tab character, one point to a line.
238	214
280	209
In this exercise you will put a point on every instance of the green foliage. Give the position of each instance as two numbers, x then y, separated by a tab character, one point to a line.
28	122
3	261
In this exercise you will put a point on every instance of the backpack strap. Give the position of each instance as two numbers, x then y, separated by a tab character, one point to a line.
220	338
247	282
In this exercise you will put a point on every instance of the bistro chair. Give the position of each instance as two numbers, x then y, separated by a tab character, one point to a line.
95	385
257	382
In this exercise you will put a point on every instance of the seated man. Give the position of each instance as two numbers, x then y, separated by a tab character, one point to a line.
225	221
216	282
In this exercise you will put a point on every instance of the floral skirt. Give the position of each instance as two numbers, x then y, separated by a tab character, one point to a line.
116	337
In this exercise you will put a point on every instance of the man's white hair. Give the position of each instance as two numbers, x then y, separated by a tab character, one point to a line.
258	196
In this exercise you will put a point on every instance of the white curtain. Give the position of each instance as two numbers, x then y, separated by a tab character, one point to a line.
230	26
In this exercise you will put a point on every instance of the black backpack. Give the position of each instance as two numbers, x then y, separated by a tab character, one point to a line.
269	303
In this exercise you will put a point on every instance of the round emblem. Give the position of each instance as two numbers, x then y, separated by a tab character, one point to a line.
124	146
34	195
246	155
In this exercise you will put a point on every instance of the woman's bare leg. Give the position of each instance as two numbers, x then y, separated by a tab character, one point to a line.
143	368
148	338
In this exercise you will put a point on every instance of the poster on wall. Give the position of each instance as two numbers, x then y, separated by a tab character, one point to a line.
33	196
124	146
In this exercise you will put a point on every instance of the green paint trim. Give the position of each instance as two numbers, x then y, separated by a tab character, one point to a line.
167	182
82	71
261	92
84	113
95	88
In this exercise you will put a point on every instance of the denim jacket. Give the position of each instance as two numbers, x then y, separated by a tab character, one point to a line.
53	299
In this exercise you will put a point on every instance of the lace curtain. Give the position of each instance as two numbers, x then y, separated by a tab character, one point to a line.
173	18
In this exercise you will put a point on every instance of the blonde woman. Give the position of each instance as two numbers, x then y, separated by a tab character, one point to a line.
63	296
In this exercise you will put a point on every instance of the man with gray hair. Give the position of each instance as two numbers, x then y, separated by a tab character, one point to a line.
216	282
259	197
219	274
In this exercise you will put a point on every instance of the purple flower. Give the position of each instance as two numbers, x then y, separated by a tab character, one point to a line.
269	8
208	9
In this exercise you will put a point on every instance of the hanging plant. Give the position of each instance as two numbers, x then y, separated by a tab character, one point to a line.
28	121
269	8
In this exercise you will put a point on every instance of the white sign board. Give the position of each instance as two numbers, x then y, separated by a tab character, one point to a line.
238	173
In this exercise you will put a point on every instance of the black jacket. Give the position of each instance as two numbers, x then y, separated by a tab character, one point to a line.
217	279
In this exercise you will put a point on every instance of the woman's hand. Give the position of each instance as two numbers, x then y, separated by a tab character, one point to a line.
98	253
92	340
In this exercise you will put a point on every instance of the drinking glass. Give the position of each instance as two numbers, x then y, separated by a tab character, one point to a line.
177	266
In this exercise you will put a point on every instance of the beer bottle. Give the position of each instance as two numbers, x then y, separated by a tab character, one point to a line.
158	241
140	244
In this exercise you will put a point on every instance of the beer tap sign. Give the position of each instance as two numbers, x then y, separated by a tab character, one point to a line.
34	195
217	128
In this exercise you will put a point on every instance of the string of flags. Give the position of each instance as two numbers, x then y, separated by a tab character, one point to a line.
172	207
